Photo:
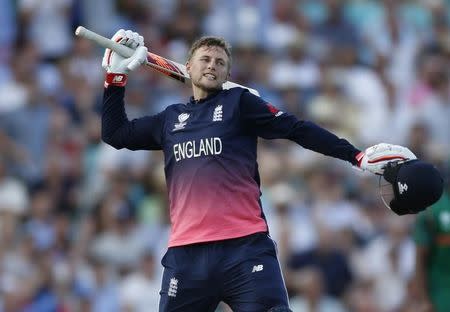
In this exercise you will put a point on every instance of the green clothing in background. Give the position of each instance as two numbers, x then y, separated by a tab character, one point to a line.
432	230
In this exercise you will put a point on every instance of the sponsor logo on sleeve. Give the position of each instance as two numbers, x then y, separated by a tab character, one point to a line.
275	111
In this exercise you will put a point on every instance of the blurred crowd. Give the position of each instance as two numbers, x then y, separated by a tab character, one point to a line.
83	226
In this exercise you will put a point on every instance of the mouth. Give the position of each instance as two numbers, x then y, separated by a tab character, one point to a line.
209	76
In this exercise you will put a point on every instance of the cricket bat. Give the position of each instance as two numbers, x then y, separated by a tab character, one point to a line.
165	66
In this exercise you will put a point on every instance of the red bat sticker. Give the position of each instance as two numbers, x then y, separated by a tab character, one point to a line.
162	62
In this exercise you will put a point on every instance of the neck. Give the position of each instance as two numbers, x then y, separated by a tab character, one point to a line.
199	94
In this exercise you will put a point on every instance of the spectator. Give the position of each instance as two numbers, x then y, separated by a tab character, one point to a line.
331	262
310	296
139	290
431	281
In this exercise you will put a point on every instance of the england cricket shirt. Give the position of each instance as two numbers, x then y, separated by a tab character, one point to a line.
210	157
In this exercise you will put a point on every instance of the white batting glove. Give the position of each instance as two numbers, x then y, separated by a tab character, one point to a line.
376	157
117	67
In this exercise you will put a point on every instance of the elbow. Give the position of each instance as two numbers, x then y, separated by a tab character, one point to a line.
110	140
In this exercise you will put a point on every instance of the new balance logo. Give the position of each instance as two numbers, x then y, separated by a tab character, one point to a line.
402	187
173	287
117	79
217	115
257	268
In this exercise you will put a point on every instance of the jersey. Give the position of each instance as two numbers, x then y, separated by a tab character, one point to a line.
210	157
432	230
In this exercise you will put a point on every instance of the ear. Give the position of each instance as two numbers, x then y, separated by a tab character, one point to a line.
188	67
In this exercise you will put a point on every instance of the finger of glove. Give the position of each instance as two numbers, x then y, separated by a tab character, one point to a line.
119	34
138	58
380	155
378	149
140	40
121	37
404	151
398	149
385	157
385	152
111	58
395	152
136	41
130	39
411	155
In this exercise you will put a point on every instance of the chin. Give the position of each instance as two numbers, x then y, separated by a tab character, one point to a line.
211	86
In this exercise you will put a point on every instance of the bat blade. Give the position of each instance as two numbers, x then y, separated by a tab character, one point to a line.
165	66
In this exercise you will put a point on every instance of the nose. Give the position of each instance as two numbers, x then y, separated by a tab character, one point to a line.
211	65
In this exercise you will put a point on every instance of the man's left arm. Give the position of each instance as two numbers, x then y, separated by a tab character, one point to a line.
265	120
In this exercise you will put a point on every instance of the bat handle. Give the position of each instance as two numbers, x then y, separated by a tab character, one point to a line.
104	42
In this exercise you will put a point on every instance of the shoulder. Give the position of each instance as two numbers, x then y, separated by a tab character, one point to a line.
178	107
242	95
233	97
236	91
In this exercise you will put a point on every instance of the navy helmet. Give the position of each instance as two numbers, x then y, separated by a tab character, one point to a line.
416	185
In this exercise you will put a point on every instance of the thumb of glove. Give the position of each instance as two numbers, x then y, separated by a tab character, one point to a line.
139	57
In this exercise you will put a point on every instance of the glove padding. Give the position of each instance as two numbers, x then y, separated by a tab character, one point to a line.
117	66
376	157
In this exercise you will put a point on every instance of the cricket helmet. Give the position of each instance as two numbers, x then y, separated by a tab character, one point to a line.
411	186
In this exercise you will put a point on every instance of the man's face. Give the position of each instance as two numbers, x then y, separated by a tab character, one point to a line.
208	68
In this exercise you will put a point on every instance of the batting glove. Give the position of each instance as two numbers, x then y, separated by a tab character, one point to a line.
117	67
376	157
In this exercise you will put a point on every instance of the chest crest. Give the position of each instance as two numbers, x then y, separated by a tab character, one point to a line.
218	113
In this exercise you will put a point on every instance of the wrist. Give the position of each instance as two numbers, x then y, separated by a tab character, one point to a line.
115	79
359	157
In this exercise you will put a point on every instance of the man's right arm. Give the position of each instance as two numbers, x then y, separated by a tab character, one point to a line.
117	130
139	134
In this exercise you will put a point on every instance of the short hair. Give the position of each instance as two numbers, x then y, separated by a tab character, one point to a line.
210	41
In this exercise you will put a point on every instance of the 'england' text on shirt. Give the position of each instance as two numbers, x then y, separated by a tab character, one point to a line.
202	147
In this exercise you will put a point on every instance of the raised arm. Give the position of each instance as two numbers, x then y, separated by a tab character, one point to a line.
142	133
117	130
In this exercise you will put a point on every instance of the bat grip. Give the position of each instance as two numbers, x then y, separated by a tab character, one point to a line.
104	42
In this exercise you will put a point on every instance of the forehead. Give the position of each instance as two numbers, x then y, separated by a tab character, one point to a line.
212	51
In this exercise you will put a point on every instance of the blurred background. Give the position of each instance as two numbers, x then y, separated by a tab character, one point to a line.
83	227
